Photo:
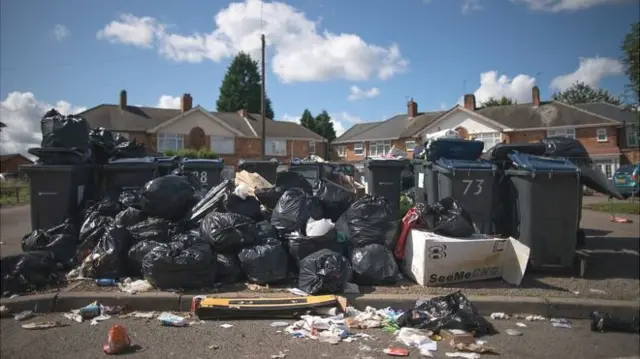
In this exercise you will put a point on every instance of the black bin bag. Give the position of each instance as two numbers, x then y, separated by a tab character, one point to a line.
249	206
374	264
213	201
227	232
109	258
334	198
269	196
369	220
324	272
453	311
64	131
169	197
265	263
449	219
176	266
28	272
151	229
137	253
302	246
93	229
293	211
60	240
130	217
291	179
228	268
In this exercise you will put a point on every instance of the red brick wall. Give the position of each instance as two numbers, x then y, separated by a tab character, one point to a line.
586	136
11	165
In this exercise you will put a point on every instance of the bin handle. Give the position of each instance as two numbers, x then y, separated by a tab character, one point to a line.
550	172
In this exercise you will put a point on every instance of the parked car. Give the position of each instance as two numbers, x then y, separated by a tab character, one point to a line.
627	180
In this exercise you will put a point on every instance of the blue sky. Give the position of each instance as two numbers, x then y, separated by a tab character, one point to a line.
76	54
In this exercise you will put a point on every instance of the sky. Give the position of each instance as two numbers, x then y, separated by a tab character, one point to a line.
360	60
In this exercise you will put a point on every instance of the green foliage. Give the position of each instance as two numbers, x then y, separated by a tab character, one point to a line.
504	101
240	87
631	60
320	124
190	153
580	92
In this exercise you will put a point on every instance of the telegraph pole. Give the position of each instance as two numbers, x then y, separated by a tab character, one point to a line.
263	110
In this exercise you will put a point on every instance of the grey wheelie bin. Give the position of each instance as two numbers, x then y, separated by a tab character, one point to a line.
128	174
313	171
267	169
546	196
207	171
166	165
472	184
59	191
382	178
426	182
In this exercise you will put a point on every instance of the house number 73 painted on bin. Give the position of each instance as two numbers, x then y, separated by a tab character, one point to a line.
473	186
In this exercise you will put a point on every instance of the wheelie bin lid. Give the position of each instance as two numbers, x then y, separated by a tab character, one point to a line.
258	162
454	148
447	165
203	162
138	162
56	168
525	164
370	163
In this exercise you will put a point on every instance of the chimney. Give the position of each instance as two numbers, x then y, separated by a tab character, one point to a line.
186	102
244	113
123	100
412	109
535	96
470	102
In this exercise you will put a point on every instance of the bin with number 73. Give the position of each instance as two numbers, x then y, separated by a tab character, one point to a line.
472	184
207	171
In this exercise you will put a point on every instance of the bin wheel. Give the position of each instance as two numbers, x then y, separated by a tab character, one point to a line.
581	240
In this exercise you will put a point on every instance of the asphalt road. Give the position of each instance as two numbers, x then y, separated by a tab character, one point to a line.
256	339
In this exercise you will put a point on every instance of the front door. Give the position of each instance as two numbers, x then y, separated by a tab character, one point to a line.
197	138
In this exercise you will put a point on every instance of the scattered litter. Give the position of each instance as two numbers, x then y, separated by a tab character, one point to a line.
117	340
106	282
474	348
27	314
4	311
463	355
365	348
73	316
226	326
371	318
112	309
499	315
521	325
100	318
280	355
256	287
90	311
597	291
279	324
214	347
42	325
534	318
299	292
561	323
513	332
416	338
139	315
136	286
171	320
396	352
331	312
575	292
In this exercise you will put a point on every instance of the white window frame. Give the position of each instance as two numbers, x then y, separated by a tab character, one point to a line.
312	144
228	148
601	135
342	151
162	138
632	133
490	139
379	148
275	147
564	132
406	145
358	148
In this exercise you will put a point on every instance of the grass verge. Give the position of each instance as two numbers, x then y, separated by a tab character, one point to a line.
14	192
616	207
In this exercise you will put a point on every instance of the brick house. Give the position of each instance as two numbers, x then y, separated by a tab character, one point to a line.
527	122
232	136
10	163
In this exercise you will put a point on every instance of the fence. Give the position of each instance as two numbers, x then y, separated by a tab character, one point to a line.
14	192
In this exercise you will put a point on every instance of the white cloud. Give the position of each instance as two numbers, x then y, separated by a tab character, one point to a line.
469	6
167	101
341	121
565	5
22	112
591	71
496	86
301	51
443	106
356	93
289	118
61	32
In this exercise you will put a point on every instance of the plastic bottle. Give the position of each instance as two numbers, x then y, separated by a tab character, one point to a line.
105	282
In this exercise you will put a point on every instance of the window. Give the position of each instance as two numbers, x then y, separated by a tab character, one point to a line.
490	139
606	166
312	147
276	147
601	135
410	145
564	132
358	149
379	148
223	145
341	150
632	136
169	141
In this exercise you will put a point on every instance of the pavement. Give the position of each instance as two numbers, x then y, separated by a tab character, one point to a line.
257	339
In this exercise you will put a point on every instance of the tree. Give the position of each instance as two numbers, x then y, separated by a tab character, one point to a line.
492	101
631	60
307	120
580	92
320	124
240	87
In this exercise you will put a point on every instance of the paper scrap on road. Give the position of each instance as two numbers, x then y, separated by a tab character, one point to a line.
279	324
561	323
513	332
533	318
73	317
42	325
463	355
499	315
597	291
27	314
226	326
100	318
521	325
280	355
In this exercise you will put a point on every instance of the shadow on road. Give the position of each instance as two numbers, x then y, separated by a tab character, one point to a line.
613	257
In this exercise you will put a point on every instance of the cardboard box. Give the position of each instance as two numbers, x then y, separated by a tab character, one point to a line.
435	260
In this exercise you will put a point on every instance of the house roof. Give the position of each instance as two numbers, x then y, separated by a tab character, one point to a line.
134	119
399	126
8	157
548	114
608	110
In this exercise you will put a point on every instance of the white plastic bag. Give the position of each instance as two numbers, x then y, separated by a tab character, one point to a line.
319	227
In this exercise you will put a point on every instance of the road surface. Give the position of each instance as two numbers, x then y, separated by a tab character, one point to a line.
256	339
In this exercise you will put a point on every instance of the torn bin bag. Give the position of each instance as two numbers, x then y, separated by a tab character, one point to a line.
302	246
269	196
369	220
374	264
453	311
324	272
169	197
176	266
211	202
335	199
29	271
136	254
293	211
94	227
60	240
450	219
265	263
228	268
227	232
108	258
